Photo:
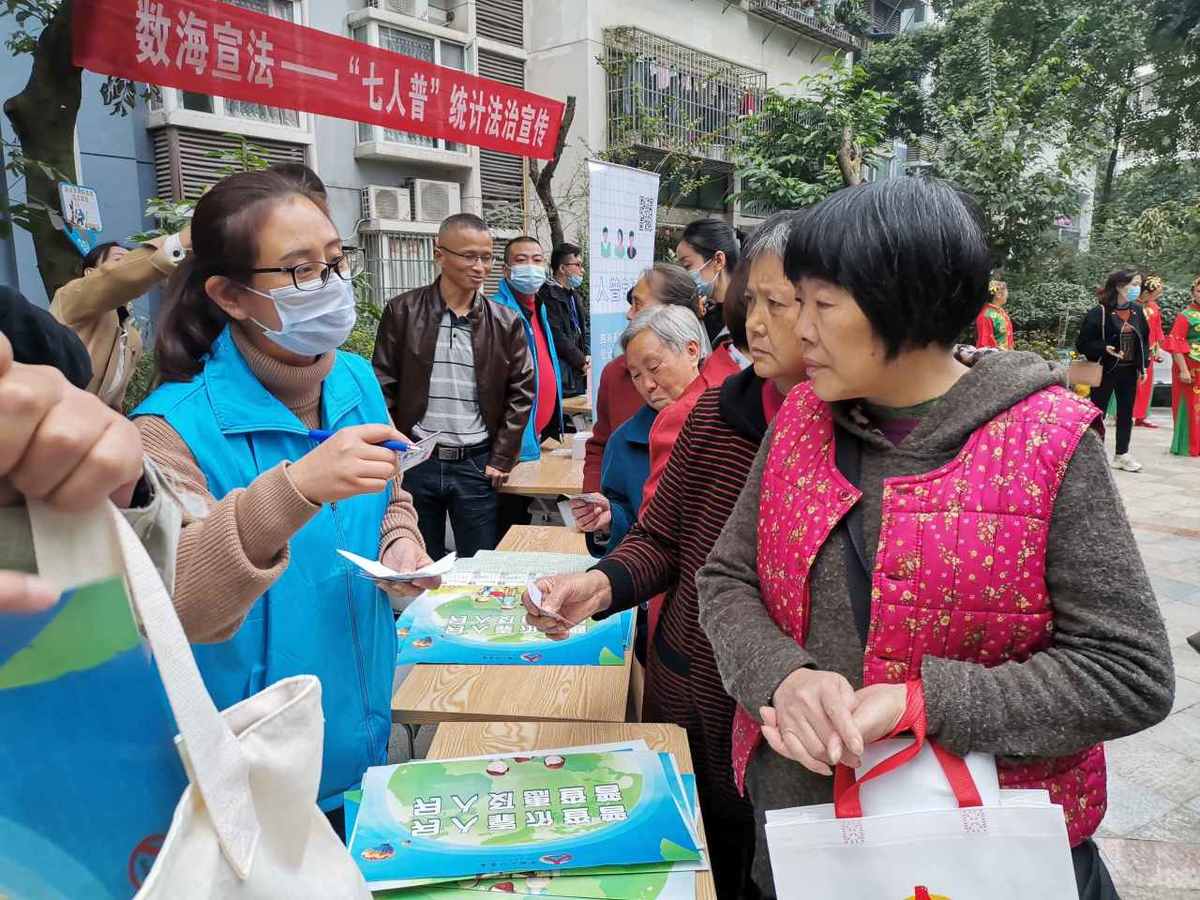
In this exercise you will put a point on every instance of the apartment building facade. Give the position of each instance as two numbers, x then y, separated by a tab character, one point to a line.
698	65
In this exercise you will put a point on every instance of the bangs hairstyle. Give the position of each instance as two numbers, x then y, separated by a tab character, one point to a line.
912	251
225	231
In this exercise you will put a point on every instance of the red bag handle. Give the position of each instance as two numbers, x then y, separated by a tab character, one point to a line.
846	790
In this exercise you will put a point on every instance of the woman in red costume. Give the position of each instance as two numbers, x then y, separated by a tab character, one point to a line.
1183	343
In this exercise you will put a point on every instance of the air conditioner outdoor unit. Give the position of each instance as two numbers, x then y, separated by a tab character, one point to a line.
386	204
435	200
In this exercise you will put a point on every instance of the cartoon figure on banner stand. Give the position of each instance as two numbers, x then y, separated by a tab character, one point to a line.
632	245
606	247
620	250
81	216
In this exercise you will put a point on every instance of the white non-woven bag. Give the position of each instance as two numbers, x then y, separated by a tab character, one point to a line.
248	825
917	841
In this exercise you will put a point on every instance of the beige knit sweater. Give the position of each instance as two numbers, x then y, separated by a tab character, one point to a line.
233	549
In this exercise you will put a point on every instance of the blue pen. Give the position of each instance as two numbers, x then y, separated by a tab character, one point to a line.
319	435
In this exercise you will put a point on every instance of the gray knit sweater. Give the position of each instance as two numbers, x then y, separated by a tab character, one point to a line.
1108	674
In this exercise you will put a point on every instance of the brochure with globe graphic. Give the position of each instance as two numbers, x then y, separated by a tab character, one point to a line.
475	817
482	622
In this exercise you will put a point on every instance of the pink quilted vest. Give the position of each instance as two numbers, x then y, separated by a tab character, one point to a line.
960	566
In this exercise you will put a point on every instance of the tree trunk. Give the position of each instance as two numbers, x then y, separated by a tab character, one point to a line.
43	116
849	158
542	180
1114	154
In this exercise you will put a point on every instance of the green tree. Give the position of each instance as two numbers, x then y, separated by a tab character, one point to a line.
1017	100
43	116
812	139
1172	122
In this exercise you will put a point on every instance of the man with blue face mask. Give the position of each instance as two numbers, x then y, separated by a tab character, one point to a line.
524	276
568	319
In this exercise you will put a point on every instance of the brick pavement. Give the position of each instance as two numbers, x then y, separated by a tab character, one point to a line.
1151	835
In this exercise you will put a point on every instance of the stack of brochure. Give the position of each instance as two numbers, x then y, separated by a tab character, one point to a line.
605	821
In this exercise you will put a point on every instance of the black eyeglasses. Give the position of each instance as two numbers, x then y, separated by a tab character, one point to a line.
485	259
312	276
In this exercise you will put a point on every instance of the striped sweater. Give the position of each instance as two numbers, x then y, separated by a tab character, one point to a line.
662	552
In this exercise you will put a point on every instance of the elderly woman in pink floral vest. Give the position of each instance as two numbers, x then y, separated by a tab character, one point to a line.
912	525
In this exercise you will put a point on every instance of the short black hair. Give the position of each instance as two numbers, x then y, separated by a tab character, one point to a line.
97	254
912	251
464	221
519	239
302	175
707	236
561	252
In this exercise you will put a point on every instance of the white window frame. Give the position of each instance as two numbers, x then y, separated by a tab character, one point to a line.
170	111
372	20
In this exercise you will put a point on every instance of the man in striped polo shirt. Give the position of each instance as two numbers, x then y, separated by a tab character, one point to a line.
454	364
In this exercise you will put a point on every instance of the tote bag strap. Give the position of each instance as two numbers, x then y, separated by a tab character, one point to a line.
73	549
846	790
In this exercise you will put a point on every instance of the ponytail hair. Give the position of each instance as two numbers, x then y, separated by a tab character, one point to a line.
708	236
225	227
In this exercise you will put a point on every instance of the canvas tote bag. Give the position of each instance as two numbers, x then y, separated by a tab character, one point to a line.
248	825
919	845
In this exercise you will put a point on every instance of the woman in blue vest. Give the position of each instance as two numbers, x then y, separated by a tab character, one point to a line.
247	350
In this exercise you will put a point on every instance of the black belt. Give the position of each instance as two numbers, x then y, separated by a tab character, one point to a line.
444	453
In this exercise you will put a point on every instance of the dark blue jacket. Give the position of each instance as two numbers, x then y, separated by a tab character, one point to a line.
623	474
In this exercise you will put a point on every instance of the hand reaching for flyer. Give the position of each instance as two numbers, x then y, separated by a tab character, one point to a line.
569	599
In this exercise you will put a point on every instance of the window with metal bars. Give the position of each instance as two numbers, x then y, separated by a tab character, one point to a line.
422	47
398	262
289	11
666	96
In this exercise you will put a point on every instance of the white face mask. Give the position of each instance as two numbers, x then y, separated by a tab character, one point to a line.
312	322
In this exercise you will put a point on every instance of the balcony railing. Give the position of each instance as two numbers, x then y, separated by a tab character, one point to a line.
671	98
808	18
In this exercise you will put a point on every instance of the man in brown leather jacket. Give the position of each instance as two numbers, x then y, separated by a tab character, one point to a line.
455	364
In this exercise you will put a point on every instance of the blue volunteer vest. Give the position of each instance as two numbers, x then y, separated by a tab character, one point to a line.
531	444
319	618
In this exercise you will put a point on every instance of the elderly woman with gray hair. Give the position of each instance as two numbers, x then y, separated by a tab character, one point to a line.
664	348
675	530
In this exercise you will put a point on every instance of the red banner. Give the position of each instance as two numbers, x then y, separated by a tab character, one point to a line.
210	47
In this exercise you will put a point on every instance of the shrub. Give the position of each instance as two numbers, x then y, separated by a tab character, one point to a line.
1172	302
145	374
362	338
1043	305
1044	344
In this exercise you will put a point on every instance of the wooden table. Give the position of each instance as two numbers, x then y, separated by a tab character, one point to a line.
544	539
436	693
578	406
505	737
554	474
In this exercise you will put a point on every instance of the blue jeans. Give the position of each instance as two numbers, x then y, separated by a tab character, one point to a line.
461	489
